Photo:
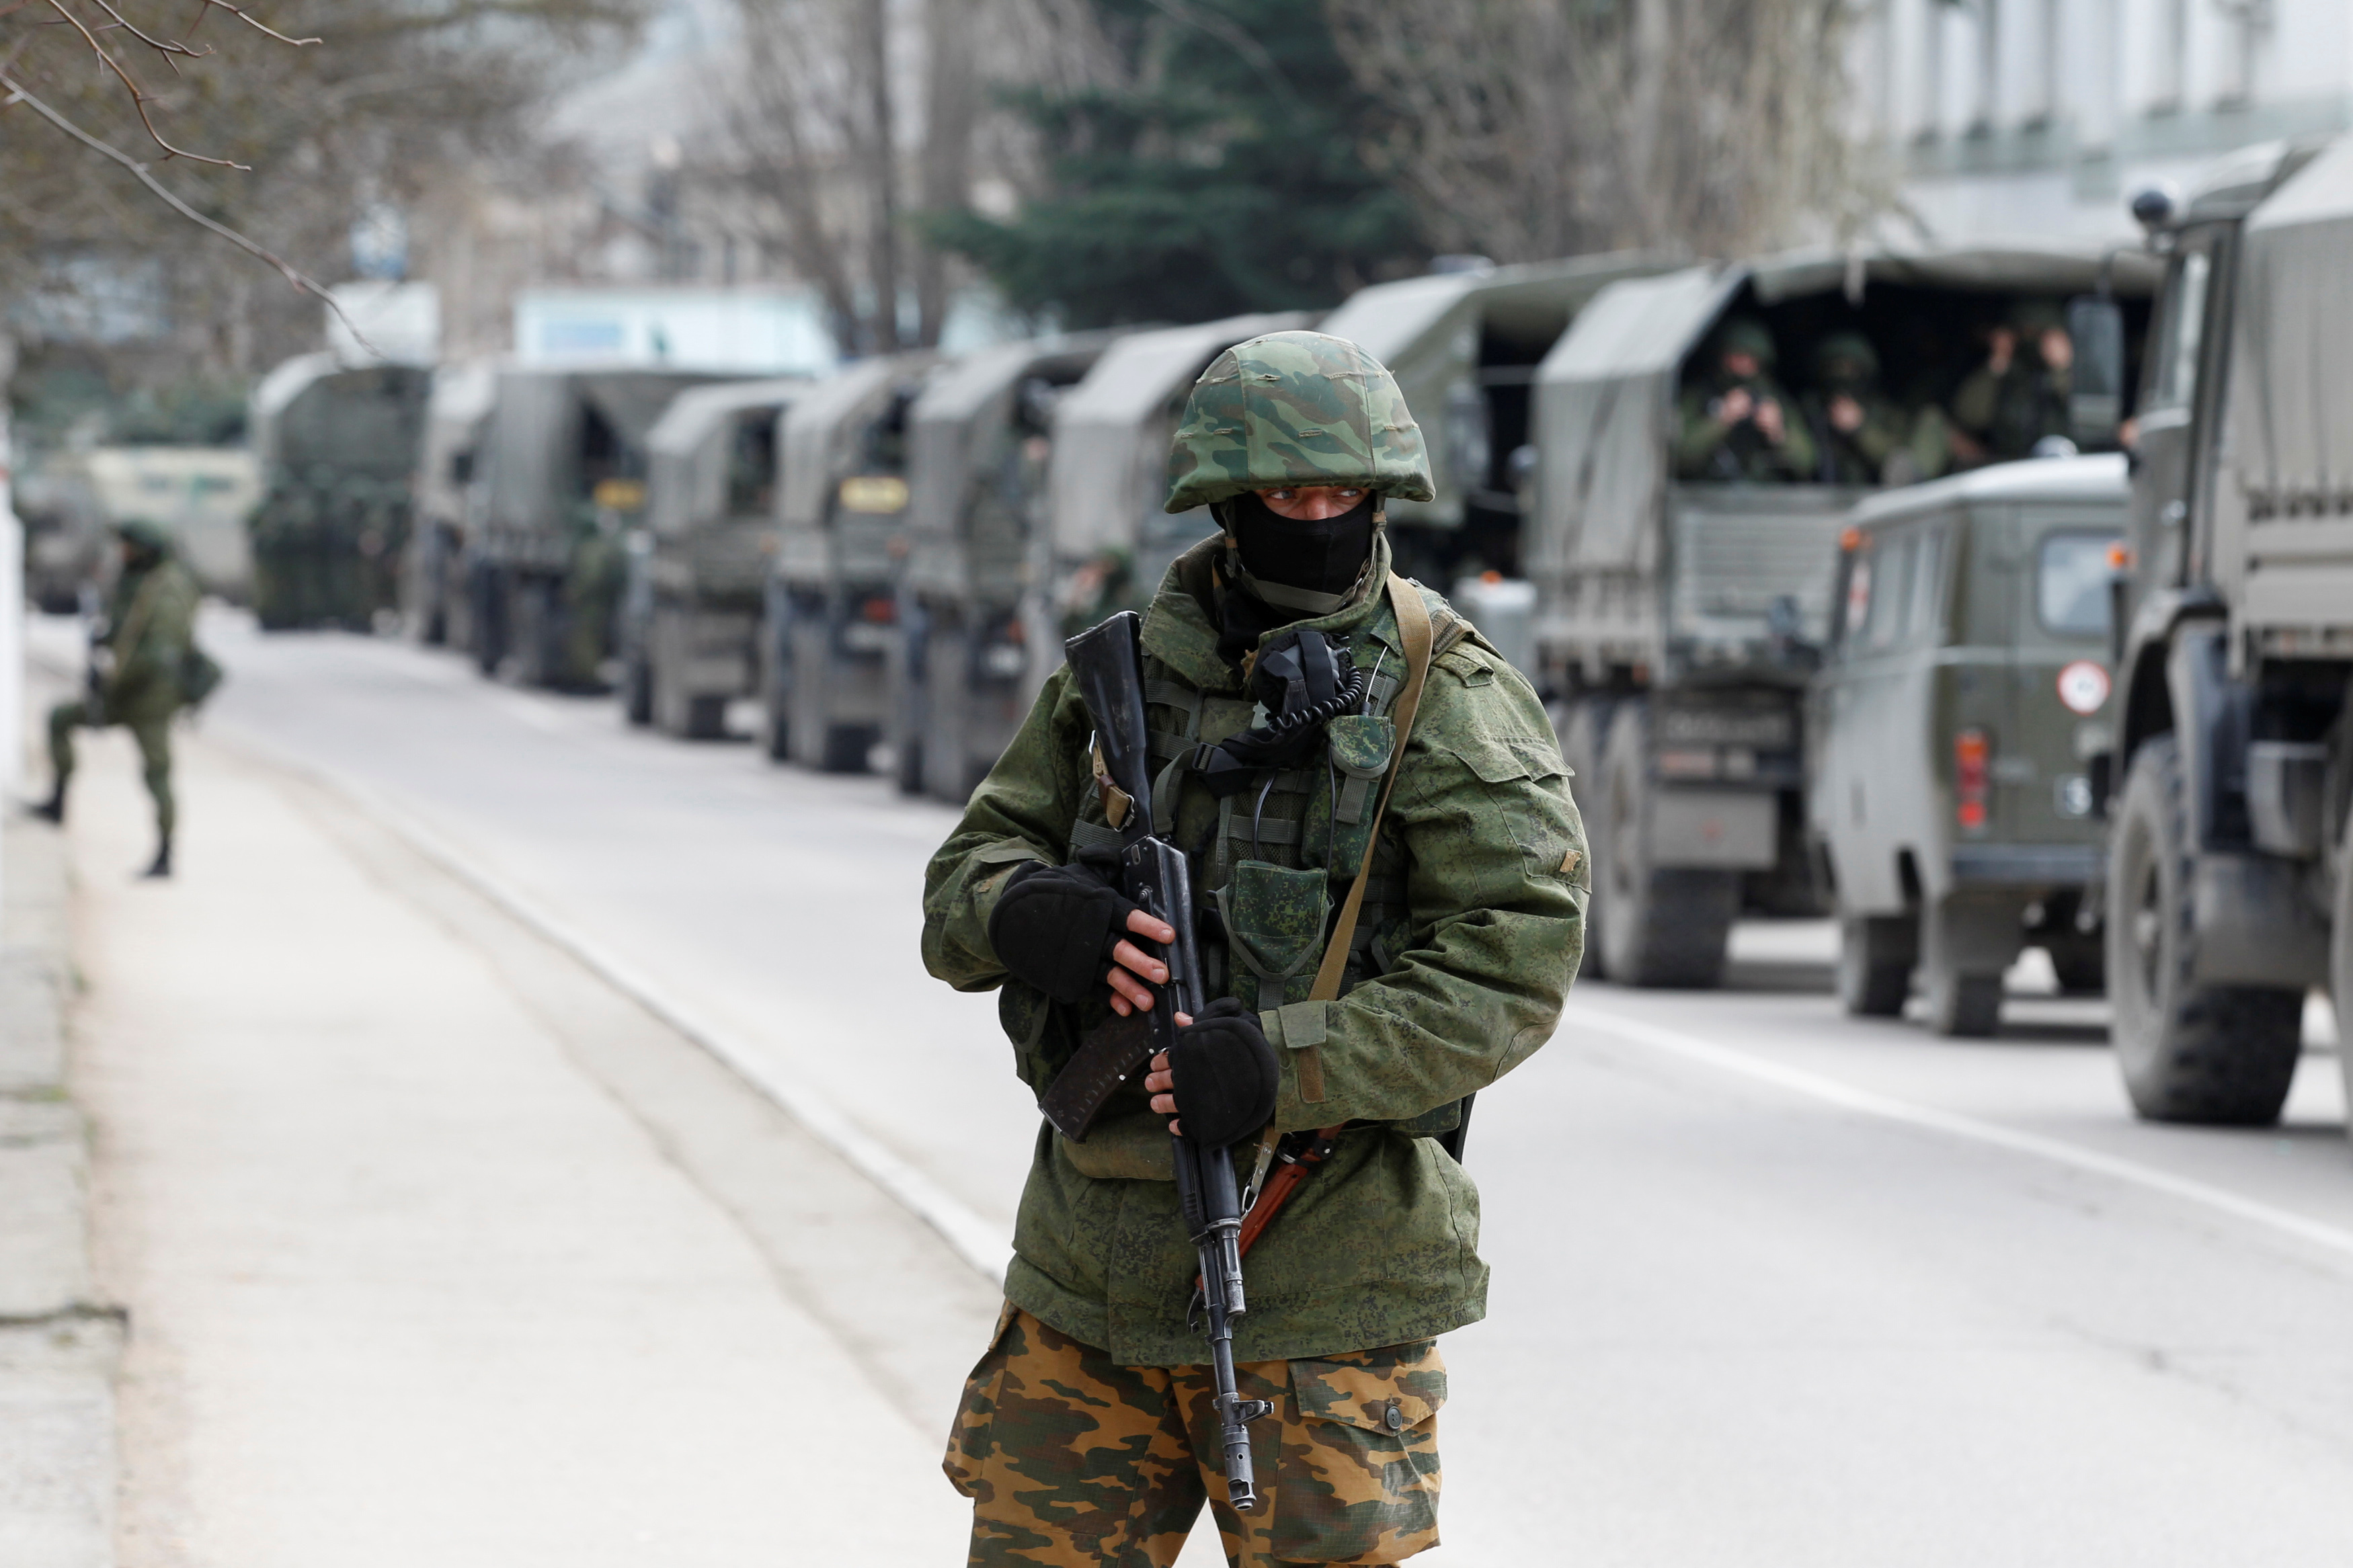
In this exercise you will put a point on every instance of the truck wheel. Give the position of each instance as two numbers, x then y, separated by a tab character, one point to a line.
1963	1006
2214	1053
1582	728
637	693
846	746
1661	926
1876	953
776	731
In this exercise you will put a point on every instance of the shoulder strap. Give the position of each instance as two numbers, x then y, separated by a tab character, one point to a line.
1414	632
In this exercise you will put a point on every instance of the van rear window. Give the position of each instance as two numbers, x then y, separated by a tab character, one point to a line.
2071	584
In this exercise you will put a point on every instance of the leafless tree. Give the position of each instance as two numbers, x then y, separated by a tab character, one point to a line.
1527	129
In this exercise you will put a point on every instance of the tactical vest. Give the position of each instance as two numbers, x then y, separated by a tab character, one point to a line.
1272	863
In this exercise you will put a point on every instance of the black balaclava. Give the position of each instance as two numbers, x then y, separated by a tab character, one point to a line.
1316	560
1322	556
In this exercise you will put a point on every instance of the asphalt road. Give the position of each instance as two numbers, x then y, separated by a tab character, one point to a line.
1771	1286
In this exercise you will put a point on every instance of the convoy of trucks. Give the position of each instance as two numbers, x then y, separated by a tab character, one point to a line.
1972	699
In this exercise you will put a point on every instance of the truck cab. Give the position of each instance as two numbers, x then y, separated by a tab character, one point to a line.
1963	687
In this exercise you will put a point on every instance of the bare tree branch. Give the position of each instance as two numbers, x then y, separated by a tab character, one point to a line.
16	94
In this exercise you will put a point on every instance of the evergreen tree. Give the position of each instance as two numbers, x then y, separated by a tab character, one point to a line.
1226	175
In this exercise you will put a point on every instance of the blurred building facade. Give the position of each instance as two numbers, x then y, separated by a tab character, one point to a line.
2015	117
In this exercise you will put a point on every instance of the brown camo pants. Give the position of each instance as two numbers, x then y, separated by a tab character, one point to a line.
1072	1461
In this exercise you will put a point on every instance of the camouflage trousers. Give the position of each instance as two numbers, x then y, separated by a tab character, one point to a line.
1072	1461
154	738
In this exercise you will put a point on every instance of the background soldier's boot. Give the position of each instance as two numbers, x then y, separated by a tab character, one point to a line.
163	866
54	808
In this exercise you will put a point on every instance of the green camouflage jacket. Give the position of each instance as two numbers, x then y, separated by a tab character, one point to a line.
150	625
1473	929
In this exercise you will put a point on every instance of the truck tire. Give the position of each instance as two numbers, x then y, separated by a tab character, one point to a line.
637	692
1582	728
1661	926
1876	953
2219	1055
846	748
1963	1005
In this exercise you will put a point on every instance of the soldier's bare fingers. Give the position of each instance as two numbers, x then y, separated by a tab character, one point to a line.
1166	1104
1130	957
1149	929
1119	1004
1161	1080
1123	984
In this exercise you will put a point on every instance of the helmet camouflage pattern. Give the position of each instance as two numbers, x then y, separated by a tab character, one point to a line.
1295	408
143	532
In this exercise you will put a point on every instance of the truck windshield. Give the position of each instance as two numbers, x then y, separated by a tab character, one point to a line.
2071	578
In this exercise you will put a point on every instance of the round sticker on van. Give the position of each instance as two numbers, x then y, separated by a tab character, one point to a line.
2083	687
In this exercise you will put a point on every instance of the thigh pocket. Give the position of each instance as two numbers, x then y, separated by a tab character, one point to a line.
1359	1477
971	1442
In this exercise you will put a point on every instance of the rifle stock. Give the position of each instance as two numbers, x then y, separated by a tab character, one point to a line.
1107	666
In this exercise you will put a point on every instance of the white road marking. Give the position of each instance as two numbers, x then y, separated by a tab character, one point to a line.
1863	1102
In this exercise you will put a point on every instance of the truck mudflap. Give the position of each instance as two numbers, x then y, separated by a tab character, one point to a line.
2256	924
2027	865
1719	829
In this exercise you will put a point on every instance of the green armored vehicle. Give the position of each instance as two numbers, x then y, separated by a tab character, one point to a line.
980	441
699	567
337	449
563	462
1963	691
832	596
1701	437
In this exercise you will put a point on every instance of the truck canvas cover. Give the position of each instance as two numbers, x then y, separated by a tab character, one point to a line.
688	450
1109	468
1428	329
2283	504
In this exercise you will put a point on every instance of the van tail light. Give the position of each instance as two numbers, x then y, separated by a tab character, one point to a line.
1971	752
881	610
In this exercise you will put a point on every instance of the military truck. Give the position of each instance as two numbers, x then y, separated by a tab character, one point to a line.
832	597
1963	688
448	500
563	464
2229	881
980	440
1681	613
1464	346
699	567
1108	542
338	447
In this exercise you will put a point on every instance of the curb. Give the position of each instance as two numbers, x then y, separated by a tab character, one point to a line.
59	1346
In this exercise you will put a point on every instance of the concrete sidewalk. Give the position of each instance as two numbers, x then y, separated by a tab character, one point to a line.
440	1251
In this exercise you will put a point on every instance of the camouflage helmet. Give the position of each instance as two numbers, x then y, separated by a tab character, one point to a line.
1745	335
1852	347
1295	408
143	532
2033	316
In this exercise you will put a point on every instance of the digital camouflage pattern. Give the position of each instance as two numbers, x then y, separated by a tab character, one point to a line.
1295	408
1072	1461
1480	879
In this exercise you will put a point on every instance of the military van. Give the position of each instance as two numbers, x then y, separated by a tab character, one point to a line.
2229	867
563	470
446	501
832	603
980	440
699	567
1464	345
1963	687
201	495
337	449
1684	588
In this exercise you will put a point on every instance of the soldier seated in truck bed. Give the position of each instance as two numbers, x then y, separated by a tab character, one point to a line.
1737	423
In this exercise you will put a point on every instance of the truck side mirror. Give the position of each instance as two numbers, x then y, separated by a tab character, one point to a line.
2096	399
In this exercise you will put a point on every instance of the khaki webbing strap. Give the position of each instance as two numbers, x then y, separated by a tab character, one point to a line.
1413	631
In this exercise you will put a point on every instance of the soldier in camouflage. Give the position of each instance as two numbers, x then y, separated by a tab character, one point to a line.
142	665
1085	1435
1734	421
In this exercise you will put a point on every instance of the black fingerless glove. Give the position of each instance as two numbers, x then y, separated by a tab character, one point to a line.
1226	1075
1054	926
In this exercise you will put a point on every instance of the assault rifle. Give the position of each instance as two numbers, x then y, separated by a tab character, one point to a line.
1107	666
